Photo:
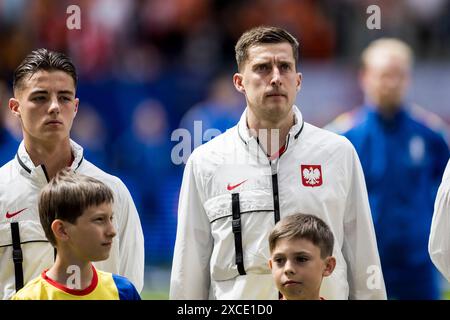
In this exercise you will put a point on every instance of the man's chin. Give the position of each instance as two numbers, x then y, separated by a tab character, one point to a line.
279	109
55	135
389	107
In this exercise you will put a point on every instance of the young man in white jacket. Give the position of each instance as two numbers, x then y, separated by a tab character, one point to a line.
44	101
439	243
238	185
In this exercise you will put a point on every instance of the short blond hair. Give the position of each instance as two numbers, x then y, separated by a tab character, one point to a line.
388	46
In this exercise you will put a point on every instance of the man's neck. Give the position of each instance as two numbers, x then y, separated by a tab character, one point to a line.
78	272
54	156
272	134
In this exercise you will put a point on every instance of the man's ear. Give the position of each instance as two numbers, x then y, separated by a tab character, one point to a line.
270	264
77	103
237	81
59	230
330	264
299	81
13	105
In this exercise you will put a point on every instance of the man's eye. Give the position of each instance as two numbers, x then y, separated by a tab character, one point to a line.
302	259
66	99
285	67
262	67
38	99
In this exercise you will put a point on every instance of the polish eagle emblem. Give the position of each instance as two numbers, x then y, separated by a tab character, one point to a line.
311	175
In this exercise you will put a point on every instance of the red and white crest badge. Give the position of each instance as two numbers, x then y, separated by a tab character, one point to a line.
311	175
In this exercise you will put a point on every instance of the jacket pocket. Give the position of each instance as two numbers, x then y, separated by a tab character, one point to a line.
37	254
30	231
257	219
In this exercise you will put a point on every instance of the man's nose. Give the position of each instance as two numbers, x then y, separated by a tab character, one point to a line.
54	105
394	81
276	77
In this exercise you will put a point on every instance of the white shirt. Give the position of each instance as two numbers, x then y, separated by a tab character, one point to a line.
20	184
204	256
439	244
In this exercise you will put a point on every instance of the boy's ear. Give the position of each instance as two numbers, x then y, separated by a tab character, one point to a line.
270	264
59	230
330	264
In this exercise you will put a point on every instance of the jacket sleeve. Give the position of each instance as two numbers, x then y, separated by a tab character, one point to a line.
131	246
440	152
190	278
439	243
360	249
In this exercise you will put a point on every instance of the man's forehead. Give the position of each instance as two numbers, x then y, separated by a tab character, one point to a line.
383	61
267	51
54	75
43	79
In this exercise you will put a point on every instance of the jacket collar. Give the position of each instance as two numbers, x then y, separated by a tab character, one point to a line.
294	132
252	144
24	160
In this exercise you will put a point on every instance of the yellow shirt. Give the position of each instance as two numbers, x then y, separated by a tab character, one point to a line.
104	286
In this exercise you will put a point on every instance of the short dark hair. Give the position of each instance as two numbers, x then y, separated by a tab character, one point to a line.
263	35
67	196
304	226
43	59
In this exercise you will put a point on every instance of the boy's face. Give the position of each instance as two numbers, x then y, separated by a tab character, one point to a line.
298	269
46	105
90	238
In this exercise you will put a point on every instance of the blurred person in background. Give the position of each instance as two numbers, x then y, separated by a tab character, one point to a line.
44	88
220	110
143	150
403	155
142	157
89	131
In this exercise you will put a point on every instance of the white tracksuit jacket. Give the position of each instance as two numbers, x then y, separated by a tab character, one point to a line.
20	184
204	264
439	244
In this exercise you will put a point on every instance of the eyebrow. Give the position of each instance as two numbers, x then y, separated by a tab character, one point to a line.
280	62
39	92
258	63
46	92
286	62
102	215
275	254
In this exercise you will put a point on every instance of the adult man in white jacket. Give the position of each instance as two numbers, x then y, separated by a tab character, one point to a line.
238	185
44	101
439	244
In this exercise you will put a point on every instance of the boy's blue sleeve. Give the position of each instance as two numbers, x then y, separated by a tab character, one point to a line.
126	289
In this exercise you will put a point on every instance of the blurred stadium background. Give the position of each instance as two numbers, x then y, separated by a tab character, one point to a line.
149	67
